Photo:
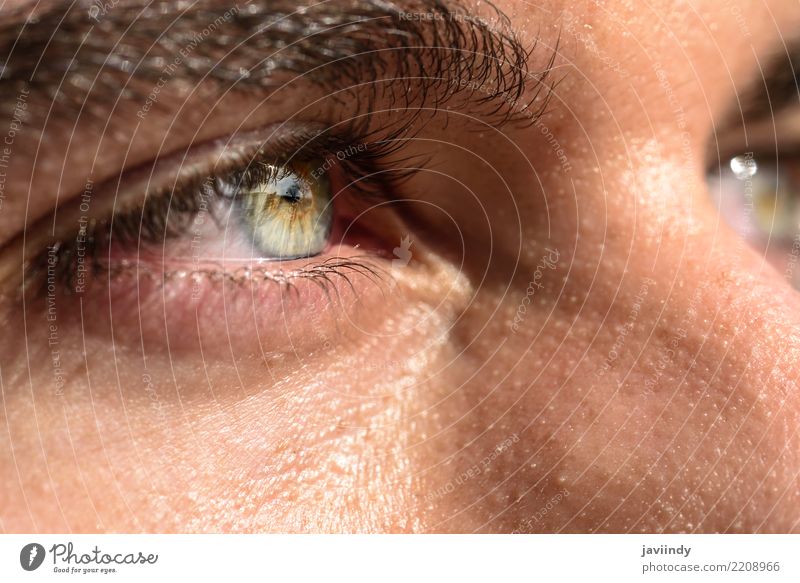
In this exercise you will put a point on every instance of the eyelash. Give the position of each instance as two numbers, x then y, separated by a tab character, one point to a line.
168	213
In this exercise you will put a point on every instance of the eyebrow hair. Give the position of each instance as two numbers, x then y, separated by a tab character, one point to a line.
82	52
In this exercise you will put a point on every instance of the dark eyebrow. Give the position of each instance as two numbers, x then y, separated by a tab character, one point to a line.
83	52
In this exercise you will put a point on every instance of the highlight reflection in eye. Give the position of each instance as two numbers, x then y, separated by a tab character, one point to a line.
287	210
759	196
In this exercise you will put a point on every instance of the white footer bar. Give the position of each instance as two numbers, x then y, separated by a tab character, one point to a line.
401	559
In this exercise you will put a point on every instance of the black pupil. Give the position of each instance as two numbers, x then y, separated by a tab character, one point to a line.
292	192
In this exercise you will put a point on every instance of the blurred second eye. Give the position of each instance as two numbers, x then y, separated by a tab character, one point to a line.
759	196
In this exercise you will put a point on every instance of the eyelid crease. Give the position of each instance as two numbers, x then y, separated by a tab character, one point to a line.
778	136
246	169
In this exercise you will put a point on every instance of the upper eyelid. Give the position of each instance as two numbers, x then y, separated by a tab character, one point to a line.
772	93
757	108
772	135
189	166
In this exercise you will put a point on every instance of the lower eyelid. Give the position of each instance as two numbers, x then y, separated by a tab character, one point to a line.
249	311
215	273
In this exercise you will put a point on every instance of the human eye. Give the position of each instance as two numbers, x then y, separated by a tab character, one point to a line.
241	208
759	195
755	177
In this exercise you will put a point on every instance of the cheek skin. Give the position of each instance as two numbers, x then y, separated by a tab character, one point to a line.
656	395
227	440
670	409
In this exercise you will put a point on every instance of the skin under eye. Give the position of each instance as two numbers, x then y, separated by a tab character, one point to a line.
759	197
289	212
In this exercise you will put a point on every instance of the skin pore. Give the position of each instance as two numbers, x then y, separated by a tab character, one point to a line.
575	341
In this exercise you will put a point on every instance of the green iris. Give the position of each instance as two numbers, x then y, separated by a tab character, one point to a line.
289	213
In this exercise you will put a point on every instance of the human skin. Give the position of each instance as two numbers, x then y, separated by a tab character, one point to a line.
422	405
